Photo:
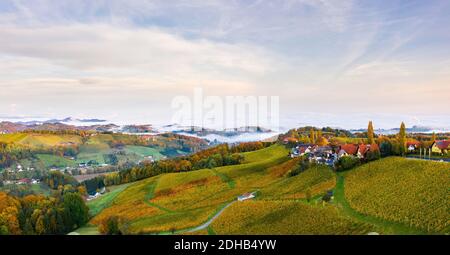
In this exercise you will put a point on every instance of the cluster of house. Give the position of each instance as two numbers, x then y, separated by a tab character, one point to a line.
19	168
328	156
22	181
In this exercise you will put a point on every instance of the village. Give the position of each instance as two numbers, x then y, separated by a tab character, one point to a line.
329	155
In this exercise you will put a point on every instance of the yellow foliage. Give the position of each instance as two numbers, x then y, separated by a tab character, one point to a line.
412	192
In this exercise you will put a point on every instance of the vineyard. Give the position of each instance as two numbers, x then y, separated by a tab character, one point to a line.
317	180
283	217
376	196
411	192
165	203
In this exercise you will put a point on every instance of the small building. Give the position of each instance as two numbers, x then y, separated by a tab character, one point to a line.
412	146
441	147
246	196
347	150
91	197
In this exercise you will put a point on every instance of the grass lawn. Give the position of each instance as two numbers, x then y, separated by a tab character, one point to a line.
97	205
143	151
52	160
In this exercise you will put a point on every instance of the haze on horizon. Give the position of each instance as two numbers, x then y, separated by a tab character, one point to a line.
332	63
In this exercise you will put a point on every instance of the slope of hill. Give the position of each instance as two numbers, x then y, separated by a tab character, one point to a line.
170	196
286	217
180	202
407	191
204	201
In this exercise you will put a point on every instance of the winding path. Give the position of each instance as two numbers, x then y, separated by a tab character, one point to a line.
206	224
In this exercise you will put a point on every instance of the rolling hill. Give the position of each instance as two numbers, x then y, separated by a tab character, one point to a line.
204	201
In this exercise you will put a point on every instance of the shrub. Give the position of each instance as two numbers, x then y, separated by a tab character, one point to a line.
302	166
347	162
373	155
110	226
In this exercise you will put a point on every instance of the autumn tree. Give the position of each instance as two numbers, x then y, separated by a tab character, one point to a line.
433	137
402	139
370	133
312	136
322	141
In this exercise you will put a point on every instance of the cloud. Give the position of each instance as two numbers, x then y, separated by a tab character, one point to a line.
99	46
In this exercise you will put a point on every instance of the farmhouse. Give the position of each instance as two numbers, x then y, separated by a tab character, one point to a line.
347	150
363	149
412	146
441	147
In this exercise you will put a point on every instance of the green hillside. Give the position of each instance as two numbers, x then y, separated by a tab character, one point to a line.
406	191
204	201
48	150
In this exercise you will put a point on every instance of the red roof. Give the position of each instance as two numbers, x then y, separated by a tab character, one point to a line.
349	148
290	139
414	143
443	145
362	148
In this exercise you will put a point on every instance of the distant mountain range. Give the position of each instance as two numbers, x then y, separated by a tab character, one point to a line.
65	121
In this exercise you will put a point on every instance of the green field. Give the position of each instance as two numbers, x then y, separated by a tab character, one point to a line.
97	205
55	161
142	151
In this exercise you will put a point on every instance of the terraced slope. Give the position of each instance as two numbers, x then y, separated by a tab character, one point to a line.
411	192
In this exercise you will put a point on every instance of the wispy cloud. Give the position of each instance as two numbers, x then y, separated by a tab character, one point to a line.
323	54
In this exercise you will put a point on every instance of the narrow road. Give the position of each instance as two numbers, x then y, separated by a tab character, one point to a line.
206	224
430	159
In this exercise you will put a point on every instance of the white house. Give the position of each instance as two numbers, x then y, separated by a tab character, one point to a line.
246	196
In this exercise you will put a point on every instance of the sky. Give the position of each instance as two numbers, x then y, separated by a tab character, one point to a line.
331	63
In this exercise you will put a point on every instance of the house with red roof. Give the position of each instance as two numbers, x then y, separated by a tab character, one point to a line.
441	147
347	150
290	140
412	146
359	151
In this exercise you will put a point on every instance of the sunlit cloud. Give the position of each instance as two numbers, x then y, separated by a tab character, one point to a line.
327	56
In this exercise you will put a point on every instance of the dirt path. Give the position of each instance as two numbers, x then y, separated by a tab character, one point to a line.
206	224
